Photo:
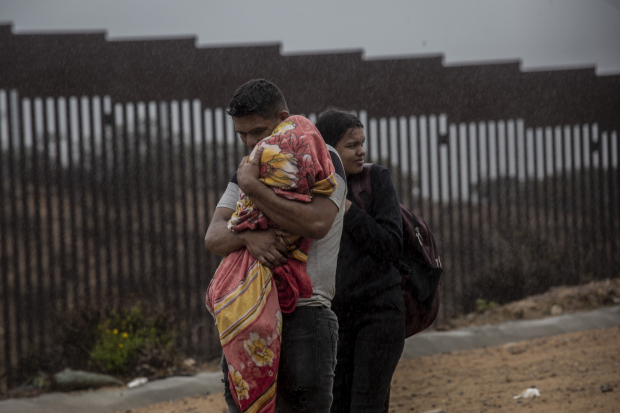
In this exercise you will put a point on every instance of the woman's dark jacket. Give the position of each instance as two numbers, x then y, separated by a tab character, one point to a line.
369	244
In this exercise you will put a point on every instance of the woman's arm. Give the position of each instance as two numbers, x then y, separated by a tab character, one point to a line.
381	235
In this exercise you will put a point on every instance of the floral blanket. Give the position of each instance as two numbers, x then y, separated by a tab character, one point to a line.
247	299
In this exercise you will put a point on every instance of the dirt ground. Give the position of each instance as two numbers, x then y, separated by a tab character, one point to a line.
576	372
556	301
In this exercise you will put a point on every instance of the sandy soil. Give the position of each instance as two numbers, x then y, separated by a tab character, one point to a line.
570	371
556	301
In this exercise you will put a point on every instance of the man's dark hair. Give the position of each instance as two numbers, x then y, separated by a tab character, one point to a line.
333	124
257	97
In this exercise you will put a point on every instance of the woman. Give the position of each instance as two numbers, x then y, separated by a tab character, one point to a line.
368	301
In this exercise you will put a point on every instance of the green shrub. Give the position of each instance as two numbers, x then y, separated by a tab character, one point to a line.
483	305
126	338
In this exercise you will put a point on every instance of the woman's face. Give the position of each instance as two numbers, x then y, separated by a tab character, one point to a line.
351	150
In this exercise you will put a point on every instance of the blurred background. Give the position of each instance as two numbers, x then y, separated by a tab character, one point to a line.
498	120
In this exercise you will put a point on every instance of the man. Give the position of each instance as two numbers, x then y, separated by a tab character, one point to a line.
310	332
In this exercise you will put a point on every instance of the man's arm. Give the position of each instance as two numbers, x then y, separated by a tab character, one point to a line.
264	245
309	219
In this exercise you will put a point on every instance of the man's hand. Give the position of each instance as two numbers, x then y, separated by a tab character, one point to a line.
265	246
248	173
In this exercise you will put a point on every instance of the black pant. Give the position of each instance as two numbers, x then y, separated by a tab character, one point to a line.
371	340
307	360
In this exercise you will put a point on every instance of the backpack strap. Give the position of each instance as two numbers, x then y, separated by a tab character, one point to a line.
362	188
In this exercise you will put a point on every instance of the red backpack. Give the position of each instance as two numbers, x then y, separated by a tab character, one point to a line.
419	264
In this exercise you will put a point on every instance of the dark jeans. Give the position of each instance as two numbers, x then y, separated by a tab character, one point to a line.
371	341
307	362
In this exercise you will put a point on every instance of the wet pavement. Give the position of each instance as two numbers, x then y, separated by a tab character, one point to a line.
109	400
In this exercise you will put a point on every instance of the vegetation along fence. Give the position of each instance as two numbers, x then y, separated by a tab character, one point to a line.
114	155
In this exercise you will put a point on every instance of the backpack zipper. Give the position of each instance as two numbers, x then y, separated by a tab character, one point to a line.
418	235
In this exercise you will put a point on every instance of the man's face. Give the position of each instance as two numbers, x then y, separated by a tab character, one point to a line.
254	128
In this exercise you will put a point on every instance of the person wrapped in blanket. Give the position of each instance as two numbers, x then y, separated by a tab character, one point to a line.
295	163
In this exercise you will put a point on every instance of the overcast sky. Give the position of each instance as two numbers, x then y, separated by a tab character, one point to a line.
541	33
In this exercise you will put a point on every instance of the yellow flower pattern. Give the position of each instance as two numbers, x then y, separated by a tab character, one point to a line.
278	169
257	348
241	386
279	322
284	126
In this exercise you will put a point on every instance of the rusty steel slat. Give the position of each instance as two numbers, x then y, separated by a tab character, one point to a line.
429	164
574	200
470	208
139	264
441	210
515	134
25	297
489	189
163	285
96	210
526	180
555	203
127	277
602	202
584	214
420	208
107	123
195	291
565	186
537	183
150	175
593	196
36	303
117	200
215	160
507	202
85	242
616	186
388	140
545	184
207	208
73	267
613	204
225	159
459	167
479	185
172	202
183	275
450	252
399	167
49	301
8	209
408	137
498	183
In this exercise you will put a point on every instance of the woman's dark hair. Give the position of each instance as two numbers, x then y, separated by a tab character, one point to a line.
333	123
257	97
